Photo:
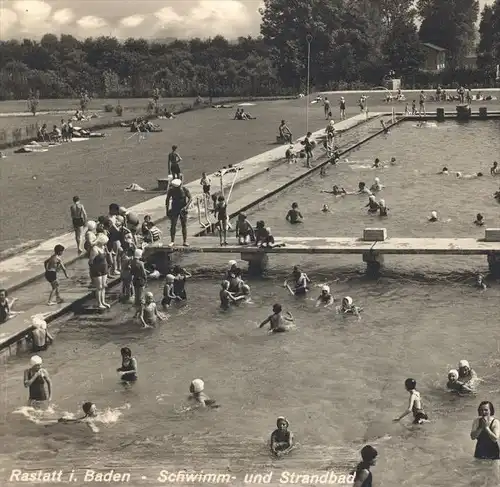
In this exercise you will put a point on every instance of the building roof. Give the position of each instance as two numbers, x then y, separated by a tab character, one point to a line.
433	46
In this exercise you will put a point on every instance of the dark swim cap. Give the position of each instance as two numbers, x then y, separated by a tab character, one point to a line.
368	453
87	407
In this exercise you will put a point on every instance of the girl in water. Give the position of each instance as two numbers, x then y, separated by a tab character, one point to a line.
414	404
197	395
282	441
325	298
149	314
486	431
349	308
128	370
168	292
277	321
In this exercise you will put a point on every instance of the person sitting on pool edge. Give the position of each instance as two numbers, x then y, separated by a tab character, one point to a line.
294	215
197	394
277	321
282	441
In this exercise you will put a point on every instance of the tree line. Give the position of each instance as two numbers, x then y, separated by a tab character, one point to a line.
353	44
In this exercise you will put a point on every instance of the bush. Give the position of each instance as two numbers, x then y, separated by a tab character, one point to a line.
108	108
119	110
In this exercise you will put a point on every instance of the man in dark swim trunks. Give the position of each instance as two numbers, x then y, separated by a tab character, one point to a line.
79	219
177	204
52	265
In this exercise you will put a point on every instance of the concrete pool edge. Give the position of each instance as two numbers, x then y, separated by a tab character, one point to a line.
18	342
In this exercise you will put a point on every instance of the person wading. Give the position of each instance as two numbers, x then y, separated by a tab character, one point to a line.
177	204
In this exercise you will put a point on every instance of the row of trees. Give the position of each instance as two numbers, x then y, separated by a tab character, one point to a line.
353	43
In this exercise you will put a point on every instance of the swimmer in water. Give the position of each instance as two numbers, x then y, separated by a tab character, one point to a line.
433	217
495	170
277	321
228	298
479	221
372	205
349	308
294	215
300	282
414	404
362	189
168	292
38	381
376	186
128	370
480	284
466	375
149	314
444	171
336	191
325	298
382	208
282	441
325	209
90	414
377	164
198	396
469	176
454	385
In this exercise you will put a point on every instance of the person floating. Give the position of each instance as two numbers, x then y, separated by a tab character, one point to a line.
52	265
128	370
282	441
414	404
434	217
38	381
486	432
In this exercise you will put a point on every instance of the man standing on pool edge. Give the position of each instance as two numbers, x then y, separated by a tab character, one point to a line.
177	205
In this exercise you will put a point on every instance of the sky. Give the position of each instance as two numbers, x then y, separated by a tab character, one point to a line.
124	18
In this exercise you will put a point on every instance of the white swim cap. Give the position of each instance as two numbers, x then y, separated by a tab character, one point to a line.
381	202
176	183
325	288
138	254
170	277
463	363
348	300
39	322
198	385
371	197
231	263
453	373
35	360
149	294
102	239
458	174
434	214
91	225
377	180
268	229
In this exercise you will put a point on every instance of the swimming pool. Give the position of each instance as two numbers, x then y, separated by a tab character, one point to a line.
339	382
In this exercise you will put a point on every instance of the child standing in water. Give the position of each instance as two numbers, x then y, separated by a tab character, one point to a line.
128	370
52	265
168	291
414	404
149	314
197	394
294	215
227	298
281	438
278	323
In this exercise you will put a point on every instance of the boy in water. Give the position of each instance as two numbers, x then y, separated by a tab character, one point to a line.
281	438
168	291
414	404
480	284
278	322
227	298
52	265
294	215
363	475
244	230
220	211
90	414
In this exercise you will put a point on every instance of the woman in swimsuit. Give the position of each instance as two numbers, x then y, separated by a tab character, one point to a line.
281	438
362	474
38	381
486	432
98	263
128	370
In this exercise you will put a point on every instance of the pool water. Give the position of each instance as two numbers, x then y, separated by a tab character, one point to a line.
338	381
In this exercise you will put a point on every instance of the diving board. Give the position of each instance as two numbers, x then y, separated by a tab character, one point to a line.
373	247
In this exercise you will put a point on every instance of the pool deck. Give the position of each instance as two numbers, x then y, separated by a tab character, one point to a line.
344	245
24	272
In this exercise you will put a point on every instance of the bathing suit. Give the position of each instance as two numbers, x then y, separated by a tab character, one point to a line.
281	437
51	276
369	480
180	287
132	367
99	266
418	413
221	212
167	300
486	448
37	389
206	188
4	311
77	216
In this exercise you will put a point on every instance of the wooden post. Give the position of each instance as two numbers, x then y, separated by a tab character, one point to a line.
257	262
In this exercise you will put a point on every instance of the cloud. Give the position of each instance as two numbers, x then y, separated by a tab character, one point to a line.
33	16
63	16
167	16
90	22
8	22
132	21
